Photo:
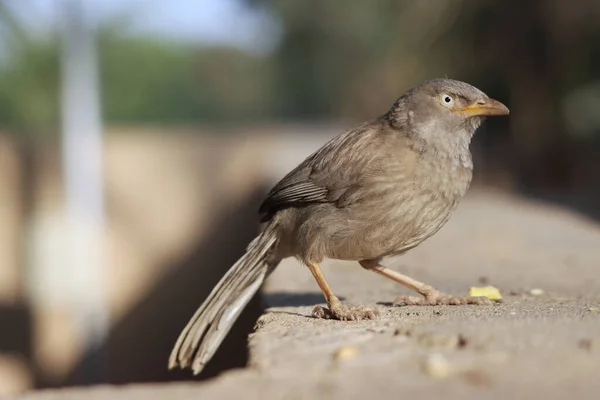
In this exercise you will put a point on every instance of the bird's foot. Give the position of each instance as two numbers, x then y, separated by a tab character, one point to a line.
343	312
433	297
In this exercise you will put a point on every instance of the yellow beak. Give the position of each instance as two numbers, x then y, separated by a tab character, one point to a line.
485	107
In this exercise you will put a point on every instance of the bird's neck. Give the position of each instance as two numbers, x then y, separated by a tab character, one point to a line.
434	138
451	146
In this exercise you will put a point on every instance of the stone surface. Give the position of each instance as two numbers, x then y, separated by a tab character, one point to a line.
527	347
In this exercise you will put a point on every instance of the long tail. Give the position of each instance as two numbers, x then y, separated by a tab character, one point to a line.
203	334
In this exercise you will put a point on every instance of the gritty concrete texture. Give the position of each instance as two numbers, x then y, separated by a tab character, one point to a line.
542	342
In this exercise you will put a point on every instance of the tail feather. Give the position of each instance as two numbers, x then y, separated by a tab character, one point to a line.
205	331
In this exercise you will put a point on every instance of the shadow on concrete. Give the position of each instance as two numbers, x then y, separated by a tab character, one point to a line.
286	299
139	345
16	332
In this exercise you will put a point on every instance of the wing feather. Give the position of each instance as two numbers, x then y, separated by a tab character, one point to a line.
329	172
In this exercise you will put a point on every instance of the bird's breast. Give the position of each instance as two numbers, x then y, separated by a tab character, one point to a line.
413	207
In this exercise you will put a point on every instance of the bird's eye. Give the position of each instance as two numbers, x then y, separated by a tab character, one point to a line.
447	100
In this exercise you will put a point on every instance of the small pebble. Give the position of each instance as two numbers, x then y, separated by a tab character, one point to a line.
593	309
437	367
345	353
589	344
536	292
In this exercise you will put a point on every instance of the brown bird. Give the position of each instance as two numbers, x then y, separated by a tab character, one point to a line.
377	190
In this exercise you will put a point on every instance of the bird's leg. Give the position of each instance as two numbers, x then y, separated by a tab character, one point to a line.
431	296
335	308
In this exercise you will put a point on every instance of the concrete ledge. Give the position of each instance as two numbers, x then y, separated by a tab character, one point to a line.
531	346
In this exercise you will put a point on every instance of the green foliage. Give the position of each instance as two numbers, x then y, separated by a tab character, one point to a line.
143	80
153	81
29	96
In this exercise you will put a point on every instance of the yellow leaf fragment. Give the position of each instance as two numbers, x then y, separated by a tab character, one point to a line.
490	292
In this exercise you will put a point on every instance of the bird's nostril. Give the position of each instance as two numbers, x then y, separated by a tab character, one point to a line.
480	102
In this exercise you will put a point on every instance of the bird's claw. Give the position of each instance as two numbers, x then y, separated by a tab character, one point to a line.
344	312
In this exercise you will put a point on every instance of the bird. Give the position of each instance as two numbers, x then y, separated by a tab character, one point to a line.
374	191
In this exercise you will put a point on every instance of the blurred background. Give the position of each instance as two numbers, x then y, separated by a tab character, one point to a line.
138	136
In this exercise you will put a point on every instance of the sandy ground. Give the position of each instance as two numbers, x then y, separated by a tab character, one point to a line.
531	346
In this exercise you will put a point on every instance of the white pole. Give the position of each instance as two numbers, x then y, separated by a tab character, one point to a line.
83	178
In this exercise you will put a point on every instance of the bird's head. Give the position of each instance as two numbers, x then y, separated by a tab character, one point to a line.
444	111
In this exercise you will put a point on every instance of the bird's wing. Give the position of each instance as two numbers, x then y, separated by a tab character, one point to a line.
327	174
296	188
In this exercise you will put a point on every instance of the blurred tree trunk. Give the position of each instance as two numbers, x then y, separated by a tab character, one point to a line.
27	159
27	171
